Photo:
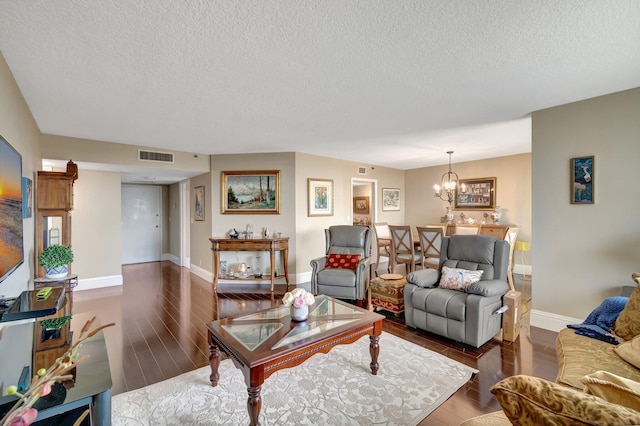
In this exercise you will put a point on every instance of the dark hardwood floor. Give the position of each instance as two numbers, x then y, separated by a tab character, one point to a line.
161	310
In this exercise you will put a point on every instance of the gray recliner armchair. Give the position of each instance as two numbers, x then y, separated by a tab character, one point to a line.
351	284
468	316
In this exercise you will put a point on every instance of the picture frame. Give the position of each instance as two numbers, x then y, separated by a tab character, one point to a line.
479	194
250	192
390	199
198	203
319	197
360	205
27	197
581	185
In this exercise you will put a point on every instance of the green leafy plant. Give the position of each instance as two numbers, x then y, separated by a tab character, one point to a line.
55	255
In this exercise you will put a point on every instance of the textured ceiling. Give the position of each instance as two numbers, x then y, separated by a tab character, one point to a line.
389	82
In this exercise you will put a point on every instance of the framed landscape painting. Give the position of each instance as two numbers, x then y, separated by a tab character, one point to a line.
250	192
582	173
478	194
390	199
319	197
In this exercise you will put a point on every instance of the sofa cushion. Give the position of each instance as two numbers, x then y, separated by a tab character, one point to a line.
630	351
344	261
528	400
458	279
579	356
614	389
628	322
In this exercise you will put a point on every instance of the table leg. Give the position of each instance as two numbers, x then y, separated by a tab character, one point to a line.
285	259
216	269
272	259
214	362
374	350
254	404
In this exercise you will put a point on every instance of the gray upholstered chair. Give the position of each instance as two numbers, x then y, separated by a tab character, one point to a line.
468	316
351	284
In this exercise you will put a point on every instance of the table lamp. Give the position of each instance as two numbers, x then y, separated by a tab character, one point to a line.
523	246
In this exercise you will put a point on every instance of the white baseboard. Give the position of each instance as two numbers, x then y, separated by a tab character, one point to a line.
99	282
202	273
171	258
550	321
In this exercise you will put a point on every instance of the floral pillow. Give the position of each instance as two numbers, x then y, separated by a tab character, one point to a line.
344	261
458	279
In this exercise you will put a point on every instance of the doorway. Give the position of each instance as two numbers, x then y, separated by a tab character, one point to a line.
364	201
141	221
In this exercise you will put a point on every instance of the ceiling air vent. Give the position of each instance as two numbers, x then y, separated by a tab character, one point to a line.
362	170
158	157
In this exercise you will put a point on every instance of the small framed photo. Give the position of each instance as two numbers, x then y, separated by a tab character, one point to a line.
581	183
476	194
198	203
319	197
251	192
390	199
361	205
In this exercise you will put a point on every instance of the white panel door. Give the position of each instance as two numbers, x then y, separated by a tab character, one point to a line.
141	233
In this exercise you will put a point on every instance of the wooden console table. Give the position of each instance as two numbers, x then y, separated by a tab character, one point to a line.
271	245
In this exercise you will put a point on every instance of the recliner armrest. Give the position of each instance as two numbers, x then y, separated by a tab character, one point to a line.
426	278
488	288
319	263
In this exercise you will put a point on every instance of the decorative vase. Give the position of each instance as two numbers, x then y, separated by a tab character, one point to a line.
449	215
299	314
496	215
57	272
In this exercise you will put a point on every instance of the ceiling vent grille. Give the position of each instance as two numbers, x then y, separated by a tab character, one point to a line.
155	156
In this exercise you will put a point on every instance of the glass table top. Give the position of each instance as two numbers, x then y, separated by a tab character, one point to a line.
326	314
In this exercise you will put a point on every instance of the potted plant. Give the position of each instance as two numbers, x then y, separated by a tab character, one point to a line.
56	259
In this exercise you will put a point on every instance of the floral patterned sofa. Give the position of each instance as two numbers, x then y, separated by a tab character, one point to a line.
597	383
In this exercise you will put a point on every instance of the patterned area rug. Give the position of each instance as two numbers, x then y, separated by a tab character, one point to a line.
328	389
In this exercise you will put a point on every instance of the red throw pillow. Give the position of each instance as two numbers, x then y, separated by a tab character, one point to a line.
344	261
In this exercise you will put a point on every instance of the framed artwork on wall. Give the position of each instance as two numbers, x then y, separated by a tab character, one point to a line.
390	199
361	205
581	183
27	197
478	194
319	197
198	203
251	192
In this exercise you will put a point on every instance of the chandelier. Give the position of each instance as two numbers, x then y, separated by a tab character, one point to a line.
449	183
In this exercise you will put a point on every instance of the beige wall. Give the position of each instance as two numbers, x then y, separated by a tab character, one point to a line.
20	130
201	255
95	225
584	253
93	151
310	240
513	191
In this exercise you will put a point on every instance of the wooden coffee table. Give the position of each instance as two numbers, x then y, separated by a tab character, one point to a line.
262	343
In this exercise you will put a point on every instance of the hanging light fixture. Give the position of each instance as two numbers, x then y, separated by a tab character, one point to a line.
449	184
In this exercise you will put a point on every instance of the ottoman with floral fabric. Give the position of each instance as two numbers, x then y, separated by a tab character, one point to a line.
387	292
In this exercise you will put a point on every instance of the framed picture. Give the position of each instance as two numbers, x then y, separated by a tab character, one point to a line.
476	194
198	207
361	205
581	183
27	197
390	199
319	197
251	192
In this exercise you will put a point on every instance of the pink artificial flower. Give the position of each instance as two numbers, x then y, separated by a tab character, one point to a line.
46	390
26	418
298	302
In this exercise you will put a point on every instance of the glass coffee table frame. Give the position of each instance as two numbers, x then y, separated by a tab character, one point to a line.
264	342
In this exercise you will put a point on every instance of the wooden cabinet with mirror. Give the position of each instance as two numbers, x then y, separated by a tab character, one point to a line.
54	205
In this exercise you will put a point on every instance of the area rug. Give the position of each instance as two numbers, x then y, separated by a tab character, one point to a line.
328	389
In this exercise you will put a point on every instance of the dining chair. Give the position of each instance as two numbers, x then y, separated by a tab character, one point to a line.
467	229
430	238
403	249
383	244
510	237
